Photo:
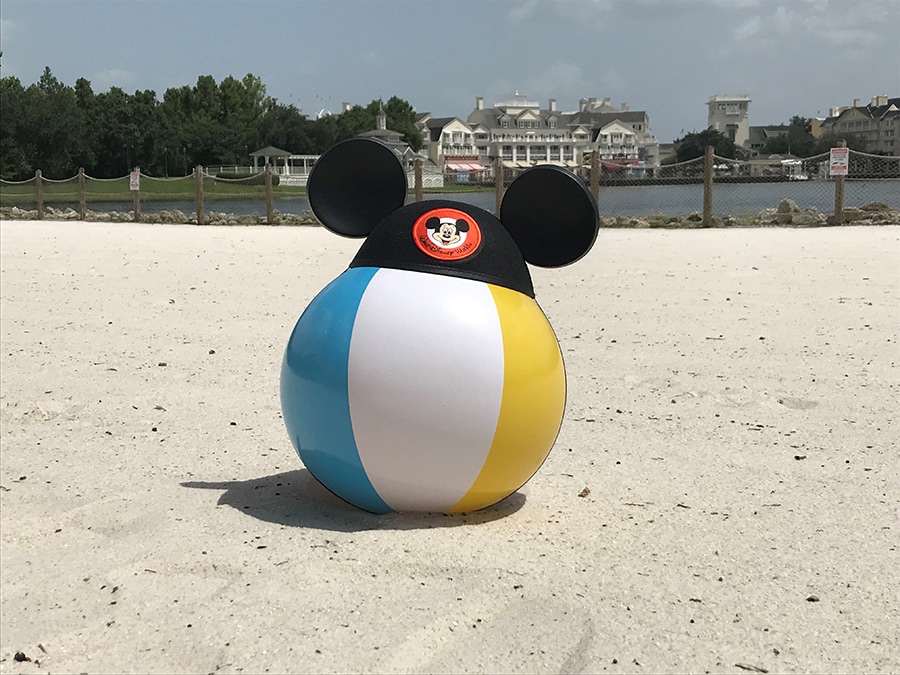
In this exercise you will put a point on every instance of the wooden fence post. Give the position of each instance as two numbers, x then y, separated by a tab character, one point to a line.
137	196
270	201
595	175
839	193
417	172
82	200
39	193
708	161
198	178
498	185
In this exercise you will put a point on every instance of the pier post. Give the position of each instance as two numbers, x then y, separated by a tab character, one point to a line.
708	161
270	201
39	193
198	179
82	200
137	195
417	173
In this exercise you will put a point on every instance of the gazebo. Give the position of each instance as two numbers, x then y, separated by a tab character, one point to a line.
270	155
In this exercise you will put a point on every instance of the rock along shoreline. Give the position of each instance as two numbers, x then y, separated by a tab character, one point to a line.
786	214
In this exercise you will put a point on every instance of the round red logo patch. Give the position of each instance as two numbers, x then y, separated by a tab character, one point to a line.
447	234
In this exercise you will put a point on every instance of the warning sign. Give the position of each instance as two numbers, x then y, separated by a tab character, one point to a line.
839	162
135	180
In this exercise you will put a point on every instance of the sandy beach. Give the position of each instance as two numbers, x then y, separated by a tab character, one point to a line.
724	495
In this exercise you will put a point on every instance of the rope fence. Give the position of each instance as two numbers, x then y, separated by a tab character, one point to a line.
782	191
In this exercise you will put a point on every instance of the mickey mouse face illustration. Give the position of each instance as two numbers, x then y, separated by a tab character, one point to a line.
359	380
447	232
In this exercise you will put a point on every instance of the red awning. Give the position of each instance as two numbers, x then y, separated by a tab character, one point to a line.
464	166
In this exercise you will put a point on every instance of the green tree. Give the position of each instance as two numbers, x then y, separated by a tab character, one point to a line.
694	144
804	123
356	120
323	133
175	110
827	141
797	141
204	132
15	161
58	128
401	116
54	131
117	137
242	105
285	127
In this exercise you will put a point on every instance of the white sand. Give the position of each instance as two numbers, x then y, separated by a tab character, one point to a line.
733	409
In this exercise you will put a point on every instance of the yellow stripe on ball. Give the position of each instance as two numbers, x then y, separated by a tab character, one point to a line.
534	400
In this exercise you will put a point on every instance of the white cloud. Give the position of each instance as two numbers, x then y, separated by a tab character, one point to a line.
523	12
859	24
748	29
557	79
720	4
613	79
112	77
573	10
784	20
729	4
7	28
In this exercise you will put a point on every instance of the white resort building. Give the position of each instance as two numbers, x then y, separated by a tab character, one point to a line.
730	115
521	134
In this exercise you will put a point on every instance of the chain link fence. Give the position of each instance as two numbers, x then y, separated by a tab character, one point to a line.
709	190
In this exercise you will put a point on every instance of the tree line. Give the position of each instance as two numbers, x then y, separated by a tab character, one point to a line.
797	140
58	128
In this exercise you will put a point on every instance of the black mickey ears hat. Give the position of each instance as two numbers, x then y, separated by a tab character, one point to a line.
355	185
547	211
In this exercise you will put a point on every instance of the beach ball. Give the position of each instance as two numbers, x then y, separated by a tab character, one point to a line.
426	377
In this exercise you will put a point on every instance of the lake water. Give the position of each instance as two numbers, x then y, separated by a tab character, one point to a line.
728	198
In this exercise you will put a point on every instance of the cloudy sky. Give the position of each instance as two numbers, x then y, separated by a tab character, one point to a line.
792	57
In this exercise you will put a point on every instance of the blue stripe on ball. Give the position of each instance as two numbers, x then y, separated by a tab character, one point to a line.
314	396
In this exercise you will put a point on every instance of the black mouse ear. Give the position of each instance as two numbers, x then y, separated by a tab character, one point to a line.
355	185
551	215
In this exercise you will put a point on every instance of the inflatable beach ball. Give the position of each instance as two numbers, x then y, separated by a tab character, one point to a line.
426	377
